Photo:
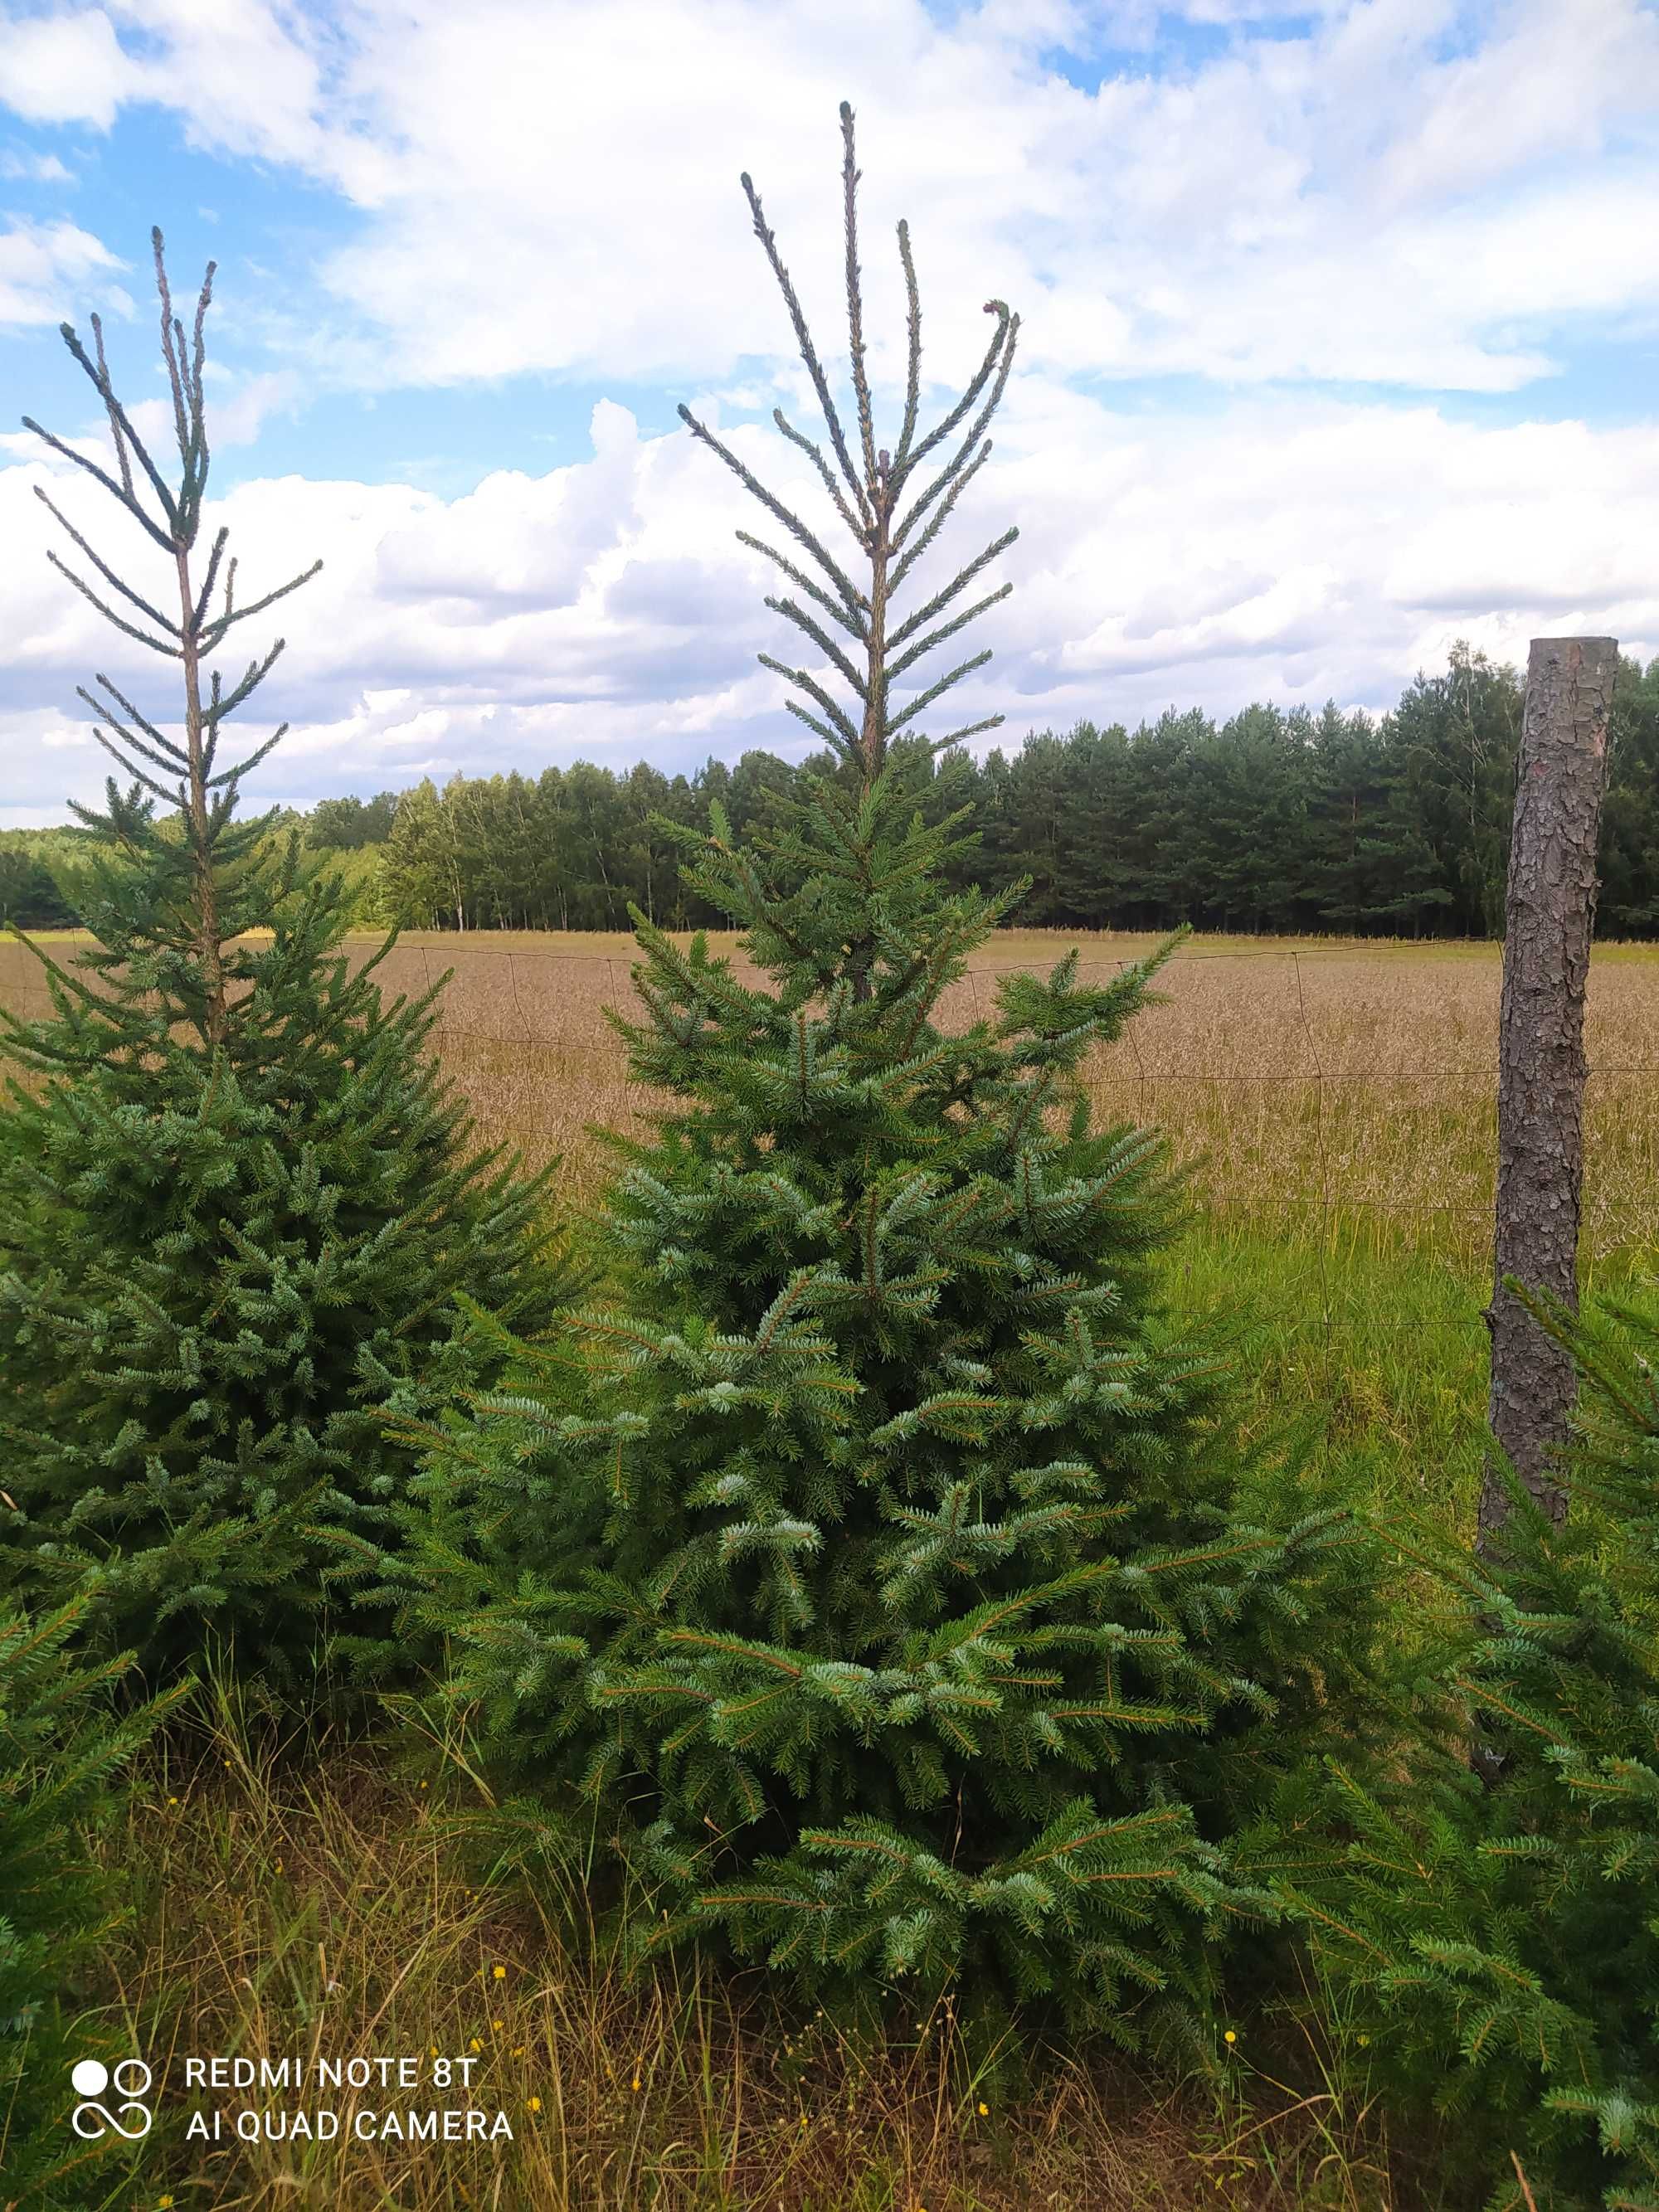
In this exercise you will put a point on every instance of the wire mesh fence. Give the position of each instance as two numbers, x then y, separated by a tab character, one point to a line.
1344	1095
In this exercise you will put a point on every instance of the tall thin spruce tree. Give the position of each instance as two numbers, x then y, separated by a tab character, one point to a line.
881	1558
237	1201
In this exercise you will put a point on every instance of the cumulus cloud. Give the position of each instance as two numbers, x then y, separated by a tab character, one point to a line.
65	67
1381	190
41	263
1280	548
1425	195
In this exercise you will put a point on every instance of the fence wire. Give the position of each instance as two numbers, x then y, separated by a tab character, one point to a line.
1342	1092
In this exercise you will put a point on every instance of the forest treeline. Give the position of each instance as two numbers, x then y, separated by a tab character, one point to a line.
1272	821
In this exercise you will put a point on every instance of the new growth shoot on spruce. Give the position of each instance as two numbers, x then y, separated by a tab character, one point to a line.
171	518
893	503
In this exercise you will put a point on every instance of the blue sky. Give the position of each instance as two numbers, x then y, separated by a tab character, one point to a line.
1341	341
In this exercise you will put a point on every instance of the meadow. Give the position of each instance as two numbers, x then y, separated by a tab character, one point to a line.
1333	1103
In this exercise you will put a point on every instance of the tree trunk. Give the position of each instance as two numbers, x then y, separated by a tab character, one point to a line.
1549	915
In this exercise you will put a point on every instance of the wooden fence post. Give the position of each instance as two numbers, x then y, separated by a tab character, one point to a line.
1549	914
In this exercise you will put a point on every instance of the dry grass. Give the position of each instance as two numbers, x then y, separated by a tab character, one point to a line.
1334	1090
1319	1085
317	1906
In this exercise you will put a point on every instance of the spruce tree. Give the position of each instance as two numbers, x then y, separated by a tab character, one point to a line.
237	1199
60	1747
879	1558
1495	1943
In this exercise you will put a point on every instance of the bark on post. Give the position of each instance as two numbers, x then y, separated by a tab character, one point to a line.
1549	915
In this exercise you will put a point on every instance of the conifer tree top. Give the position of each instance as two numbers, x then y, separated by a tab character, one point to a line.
879	498
179	769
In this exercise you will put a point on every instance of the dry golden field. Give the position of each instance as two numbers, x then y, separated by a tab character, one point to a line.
1332	1084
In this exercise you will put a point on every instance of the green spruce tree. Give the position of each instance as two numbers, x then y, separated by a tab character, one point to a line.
61	1746
237	1199
1495	1943
880	1559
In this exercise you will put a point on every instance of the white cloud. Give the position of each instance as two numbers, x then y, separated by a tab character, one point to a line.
1383	196
241	405
35	169
42	267
1426	194
1279	549
65	67
1551	80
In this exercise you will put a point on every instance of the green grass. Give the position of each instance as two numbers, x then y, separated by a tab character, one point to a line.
330	1898
322	1899
1382	1352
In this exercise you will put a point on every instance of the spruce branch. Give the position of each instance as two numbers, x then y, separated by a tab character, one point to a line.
172	796
814	690
808	350
233	775
116	622
151	731
855	294
941	515
126	497
926	699
797	529
913	355
163	756
970	730
845	748
119	415
213	634
133	599
837	612
254	676
977	385
946	629
825	644
110	407
826	474
942	599
204	596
